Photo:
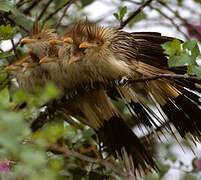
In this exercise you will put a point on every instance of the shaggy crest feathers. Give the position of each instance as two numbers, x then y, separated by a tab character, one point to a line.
86	31
41	33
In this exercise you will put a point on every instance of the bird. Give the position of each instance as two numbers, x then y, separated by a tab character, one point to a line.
28	74
94	60
38	39
113	54
95	109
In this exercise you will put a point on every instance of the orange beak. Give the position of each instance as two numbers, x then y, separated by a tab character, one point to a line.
56	42
86	45
73	60
22	61
47	59
9	68
29	51
27	40
68	40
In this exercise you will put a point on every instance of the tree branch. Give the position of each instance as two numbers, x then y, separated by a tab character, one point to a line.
44	9
64	12
179	17
56	11
124	23
104	163
171	20
29	8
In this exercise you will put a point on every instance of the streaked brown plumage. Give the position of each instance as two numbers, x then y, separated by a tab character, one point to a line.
136	55
108	54
28	74
96	58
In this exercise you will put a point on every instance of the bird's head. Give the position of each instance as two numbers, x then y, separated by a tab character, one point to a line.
38	39
91	41
52	55
18	65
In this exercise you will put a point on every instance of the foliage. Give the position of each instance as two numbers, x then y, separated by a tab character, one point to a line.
28	155
184	54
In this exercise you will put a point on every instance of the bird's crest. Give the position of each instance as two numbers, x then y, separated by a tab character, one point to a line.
88	31
41	30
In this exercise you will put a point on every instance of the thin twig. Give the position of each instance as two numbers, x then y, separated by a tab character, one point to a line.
104	163
171	20
44	9
56	11
14	48
159	76
124	23
29	8
64	12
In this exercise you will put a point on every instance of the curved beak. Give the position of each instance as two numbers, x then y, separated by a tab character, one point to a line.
86	45
73	59
56	42
68	40
9	68
47	59
29	52
25	59
27	40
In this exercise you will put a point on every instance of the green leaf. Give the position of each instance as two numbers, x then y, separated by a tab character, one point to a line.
190	44
177	61
7	32
4	97
176	45
196	70
163	169
5	54
86	2
5	6
122	13
193	47
168	48
116	16
172	48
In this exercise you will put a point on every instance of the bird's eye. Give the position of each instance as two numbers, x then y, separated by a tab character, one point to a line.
39	37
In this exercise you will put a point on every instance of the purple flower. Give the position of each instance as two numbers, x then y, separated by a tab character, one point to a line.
197	163
194	30
5	166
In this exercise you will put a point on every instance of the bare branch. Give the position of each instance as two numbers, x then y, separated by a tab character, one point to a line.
64	12
171	20
56	11
29	8
44	9
104	163
179	17
124	23
14	48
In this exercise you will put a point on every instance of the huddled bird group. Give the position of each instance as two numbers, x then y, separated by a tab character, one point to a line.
88	63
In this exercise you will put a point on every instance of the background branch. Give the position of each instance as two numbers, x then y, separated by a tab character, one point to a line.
64	12
124	23
56	11
104	163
